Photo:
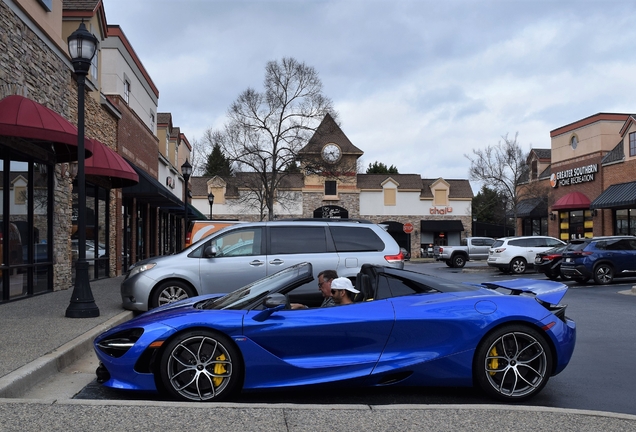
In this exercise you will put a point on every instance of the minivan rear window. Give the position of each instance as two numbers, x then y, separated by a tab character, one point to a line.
355	239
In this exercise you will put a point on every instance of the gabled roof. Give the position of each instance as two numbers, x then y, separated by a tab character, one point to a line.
329	132
375	181
458	188
542	153
617	154
199	185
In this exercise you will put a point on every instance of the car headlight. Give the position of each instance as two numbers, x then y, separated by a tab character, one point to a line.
118	344
141	268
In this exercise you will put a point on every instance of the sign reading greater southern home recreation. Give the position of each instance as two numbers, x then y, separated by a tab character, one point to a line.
574	175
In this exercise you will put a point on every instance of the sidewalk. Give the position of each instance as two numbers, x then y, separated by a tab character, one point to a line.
37	341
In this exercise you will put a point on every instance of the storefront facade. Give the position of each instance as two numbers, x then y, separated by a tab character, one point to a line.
589	158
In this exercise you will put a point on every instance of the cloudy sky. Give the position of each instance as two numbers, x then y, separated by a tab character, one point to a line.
417	84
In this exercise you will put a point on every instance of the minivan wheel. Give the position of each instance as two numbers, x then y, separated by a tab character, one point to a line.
603	274
170	292
518	266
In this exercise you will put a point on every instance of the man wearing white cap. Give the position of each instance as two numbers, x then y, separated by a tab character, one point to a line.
342	291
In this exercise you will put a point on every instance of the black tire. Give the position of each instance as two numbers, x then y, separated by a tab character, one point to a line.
513	363
170	292
603	274
518	265
459	261
200	365
551	275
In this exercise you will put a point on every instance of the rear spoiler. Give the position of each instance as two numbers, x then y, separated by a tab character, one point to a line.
547	291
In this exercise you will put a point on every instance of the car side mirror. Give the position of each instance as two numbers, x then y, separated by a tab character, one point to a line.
272	303
210	252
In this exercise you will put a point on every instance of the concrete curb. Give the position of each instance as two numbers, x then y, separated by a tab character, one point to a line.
18	382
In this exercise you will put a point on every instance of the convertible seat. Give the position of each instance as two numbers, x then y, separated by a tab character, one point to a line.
363	284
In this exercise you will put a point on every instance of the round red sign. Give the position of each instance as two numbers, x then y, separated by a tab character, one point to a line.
408	228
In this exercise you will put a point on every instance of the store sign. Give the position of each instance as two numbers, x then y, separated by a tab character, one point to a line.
573	176
440	211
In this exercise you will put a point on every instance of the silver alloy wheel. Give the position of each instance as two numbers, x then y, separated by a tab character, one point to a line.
516	365
171	294
199	368
518	266
603	274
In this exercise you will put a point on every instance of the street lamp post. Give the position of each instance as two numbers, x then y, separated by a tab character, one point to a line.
211	201
186	171
82	46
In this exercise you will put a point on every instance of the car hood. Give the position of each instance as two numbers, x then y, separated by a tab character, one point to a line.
547	291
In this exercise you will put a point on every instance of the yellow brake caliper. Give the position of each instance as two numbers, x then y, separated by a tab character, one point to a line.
219	369
493	363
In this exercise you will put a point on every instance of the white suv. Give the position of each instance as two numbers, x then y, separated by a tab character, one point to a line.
514	254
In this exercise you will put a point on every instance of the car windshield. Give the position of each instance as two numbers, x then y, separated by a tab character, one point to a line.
243	297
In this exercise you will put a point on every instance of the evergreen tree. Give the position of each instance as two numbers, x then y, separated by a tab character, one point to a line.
381	168
217	163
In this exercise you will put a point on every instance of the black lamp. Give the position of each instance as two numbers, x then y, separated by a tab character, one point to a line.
186	171
82	46
211	201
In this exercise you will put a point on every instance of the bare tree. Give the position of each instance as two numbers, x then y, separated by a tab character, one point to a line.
503	168
266	130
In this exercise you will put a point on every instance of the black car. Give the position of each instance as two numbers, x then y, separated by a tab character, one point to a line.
549	262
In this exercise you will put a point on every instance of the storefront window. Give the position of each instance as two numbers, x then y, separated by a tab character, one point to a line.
25	202
576	224
625	222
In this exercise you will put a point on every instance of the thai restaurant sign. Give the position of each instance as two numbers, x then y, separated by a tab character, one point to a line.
574	175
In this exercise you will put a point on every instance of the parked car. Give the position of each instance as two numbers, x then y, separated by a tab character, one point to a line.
601	258
404	328
471	249
516	254
549	262
242	253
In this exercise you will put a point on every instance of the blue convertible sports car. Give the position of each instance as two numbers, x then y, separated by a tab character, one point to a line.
405	328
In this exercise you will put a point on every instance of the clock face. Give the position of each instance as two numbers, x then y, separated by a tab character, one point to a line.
331	153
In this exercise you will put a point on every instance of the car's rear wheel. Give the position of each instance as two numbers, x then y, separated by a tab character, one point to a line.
518	266
170	292
200	365
603	274
459	261
551	275
513	363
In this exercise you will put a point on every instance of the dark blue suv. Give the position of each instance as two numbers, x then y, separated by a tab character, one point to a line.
601	258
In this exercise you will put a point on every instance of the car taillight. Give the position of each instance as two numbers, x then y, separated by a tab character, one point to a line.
394	258
441	250
551	257
500	250
580	253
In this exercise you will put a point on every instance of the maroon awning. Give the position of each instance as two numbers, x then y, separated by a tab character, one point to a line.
23	118
107	163
572	201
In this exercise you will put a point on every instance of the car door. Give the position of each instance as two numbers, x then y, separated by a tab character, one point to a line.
240	260
294	244
316	345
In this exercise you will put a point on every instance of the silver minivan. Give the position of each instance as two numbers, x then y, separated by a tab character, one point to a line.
243	253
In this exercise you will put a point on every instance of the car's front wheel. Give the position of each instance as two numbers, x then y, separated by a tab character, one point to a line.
200	365
603	274
518	266
513	363
170	292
